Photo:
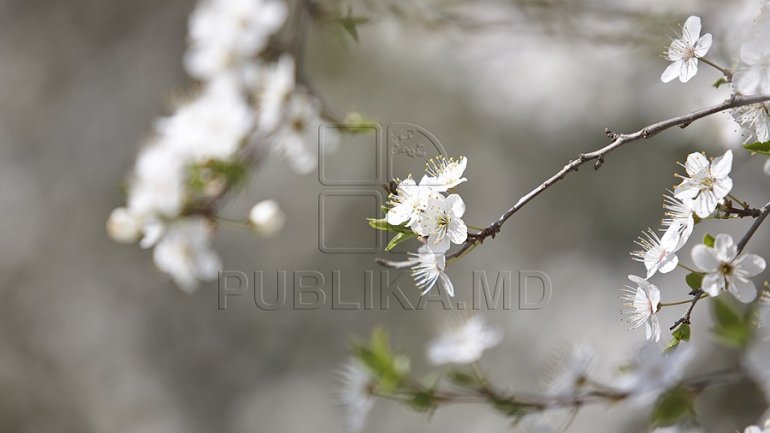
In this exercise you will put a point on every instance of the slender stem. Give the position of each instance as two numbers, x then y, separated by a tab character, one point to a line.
671	304
726	72
687	268
618	140
753	229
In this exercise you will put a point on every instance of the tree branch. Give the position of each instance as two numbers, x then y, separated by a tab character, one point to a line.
753	229
618	140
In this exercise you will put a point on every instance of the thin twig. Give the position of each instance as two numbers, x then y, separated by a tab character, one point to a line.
618	140
753	229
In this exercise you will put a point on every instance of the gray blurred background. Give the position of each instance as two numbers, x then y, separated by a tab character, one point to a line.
92	339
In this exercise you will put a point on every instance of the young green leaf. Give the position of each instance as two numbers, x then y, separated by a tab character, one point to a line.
681	333
673	407
729	325
694	280
398	238
758	147
708	240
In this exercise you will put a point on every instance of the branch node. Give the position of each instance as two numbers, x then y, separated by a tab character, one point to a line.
599	162
611	135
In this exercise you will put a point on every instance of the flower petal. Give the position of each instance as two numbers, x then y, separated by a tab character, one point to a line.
456	205
725	247
671	72
689	69
705	204
695	163
447	284
703	45
751	264
668	264
721	166
704	259
691	30
713	283
744	290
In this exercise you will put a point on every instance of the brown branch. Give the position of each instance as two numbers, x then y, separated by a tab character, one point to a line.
753	229
618	140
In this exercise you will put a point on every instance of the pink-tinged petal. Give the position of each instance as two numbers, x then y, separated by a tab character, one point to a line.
691	30
751	264
653	293
695	163
668	264
713	283
725	247
705	204
456	205
721	166
703	45
704	259
743	290
671	72
689	69
722	187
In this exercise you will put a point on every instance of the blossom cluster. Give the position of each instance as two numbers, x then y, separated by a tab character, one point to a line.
246	104
751	76
720	266
427	211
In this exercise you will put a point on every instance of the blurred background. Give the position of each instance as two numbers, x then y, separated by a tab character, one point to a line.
93	339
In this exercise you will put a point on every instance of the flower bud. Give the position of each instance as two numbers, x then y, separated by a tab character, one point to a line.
123	226
266	218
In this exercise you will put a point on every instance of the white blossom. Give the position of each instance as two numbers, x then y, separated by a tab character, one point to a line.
409	203
297	138
678	214
754	121
277	86
708	184
185	253
726	270
569	370
212	126
157	184
641	304
658	253
428	266
228	34
442	221
685	51
123	226
463	344
266	218
752	76
653	372
444	173
355	394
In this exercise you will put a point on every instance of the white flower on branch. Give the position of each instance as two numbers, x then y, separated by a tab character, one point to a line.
752	76
658	253
225	35
157	184
653	372
185	253
569	370
463	344
726	270
678	214
276	87
641	305
297	138
212	126
444	173
266	218
355	395
755	122
685	51
442	221
708	184
409	203
428	268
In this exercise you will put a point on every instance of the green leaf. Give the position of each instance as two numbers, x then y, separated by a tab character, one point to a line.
462	379
708	240
398	238
695	280
377	356
423	401
759	147
673	407
681	333
730	326
382	224
350	25
718	83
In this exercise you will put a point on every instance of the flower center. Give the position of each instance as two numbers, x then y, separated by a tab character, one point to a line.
726	268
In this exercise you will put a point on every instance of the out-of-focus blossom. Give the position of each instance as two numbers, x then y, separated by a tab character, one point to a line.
654	372
355	394
463	344
754	121
123	226
185	253
428	268
266	218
